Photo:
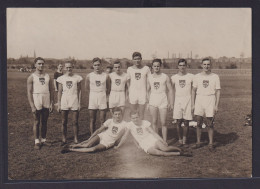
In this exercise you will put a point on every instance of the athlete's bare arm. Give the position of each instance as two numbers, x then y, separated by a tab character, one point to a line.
148	93
108	85
29	93
119	137
170	93
59	97
193	96
122	139
54	84
173	92
79	93
87	87
51	96
217	100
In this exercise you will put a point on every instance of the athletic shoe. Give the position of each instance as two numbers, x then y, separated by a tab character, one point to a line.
211	148
65	150
37	146
186	153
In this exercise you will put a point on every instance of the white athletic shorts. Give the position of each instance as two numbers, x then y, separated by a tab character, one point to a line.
106	140
158	100
41	101
69	102
137	97
204	105
182	108
148	142
97	101
116	99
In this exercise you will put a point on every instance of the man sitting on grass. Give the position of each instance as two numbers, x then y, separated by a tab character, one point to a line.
148	140
103	138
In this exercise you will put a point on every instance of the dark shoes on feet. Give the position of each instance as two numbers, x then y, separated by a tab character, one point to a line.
211	148
186	153
65	150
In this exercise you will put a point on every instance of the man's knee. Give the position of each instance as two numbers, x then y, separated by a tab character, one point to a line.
210	122
199	121
179	122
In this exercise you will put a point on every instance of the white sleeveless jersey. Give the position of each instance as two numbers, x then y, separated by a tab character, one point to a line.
138	78
97	82
41	84
118	82
139	132
69	84
158	84
183	84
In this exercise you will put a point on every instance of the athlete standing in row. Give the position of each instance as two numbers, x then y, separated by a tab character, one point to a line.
40	98
69	98
97	83
182	83
137	84
205	100
57	74
118	92
160	94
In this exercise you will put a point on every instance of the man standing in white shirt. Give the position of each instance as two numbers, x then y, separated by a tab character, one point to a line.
182	83
137	84
205	100
69	98
40	98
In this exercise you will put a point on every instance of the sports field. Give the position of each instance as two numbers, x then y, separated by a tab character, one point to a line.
233	156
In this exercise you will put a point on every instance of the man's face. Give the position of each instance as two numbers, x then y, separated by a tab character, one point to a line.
182	66
97	66
135	119
156	67
137	60
68	67
117	116
206	65
39	65
117	68
60	67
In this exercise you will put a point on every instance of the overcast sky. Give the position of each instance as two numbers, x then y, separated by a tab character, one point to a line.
85	33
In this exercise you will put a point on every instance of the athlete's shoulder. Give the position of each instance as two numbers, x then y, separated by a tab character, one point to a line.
146	123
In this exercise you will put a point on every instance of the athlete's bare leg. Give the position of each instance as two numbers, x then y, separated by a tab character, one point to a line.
64	118
96	148
199	120
133	107
156	152
179	122
141	111
163	115
154	114
210	129
102	116
160	146
92	117
88	143
75	124
44	119
185	131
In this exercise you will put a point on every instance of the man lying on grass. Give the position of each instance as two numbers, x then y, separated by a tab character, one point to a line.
148	140
105	137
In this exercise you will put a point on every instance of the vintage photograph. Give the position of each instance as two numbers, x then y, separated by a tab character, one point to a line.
129	93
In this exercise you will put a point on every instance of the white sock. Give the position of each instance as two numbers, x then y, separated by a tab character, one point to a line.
184	140
37	141
43	140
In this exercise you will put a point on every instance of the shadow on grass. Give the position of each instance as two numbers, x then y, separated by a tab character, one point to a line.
219	138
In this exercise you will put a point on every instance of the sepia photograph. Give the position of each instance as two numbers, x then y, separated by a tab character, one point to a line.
129	93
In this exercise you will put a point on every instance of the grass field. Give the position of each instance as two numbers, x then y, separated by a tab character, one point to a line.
233	157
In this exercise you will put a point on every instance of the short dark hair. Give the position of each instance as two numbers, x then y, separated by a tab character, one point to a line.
134	112
116	109
117	62
157	60
109	66
96	59
206	59
38	58
182	60
136	54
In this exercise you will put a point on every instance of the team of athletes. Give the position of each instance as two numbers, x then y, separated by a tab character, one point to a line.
191	97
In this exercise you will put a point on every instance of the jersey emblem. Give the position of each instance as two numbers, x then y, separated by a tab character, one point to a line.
114	129
69	84
156	85
118	82
137	76
205	83
139	131
42	80
182	83
98	83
